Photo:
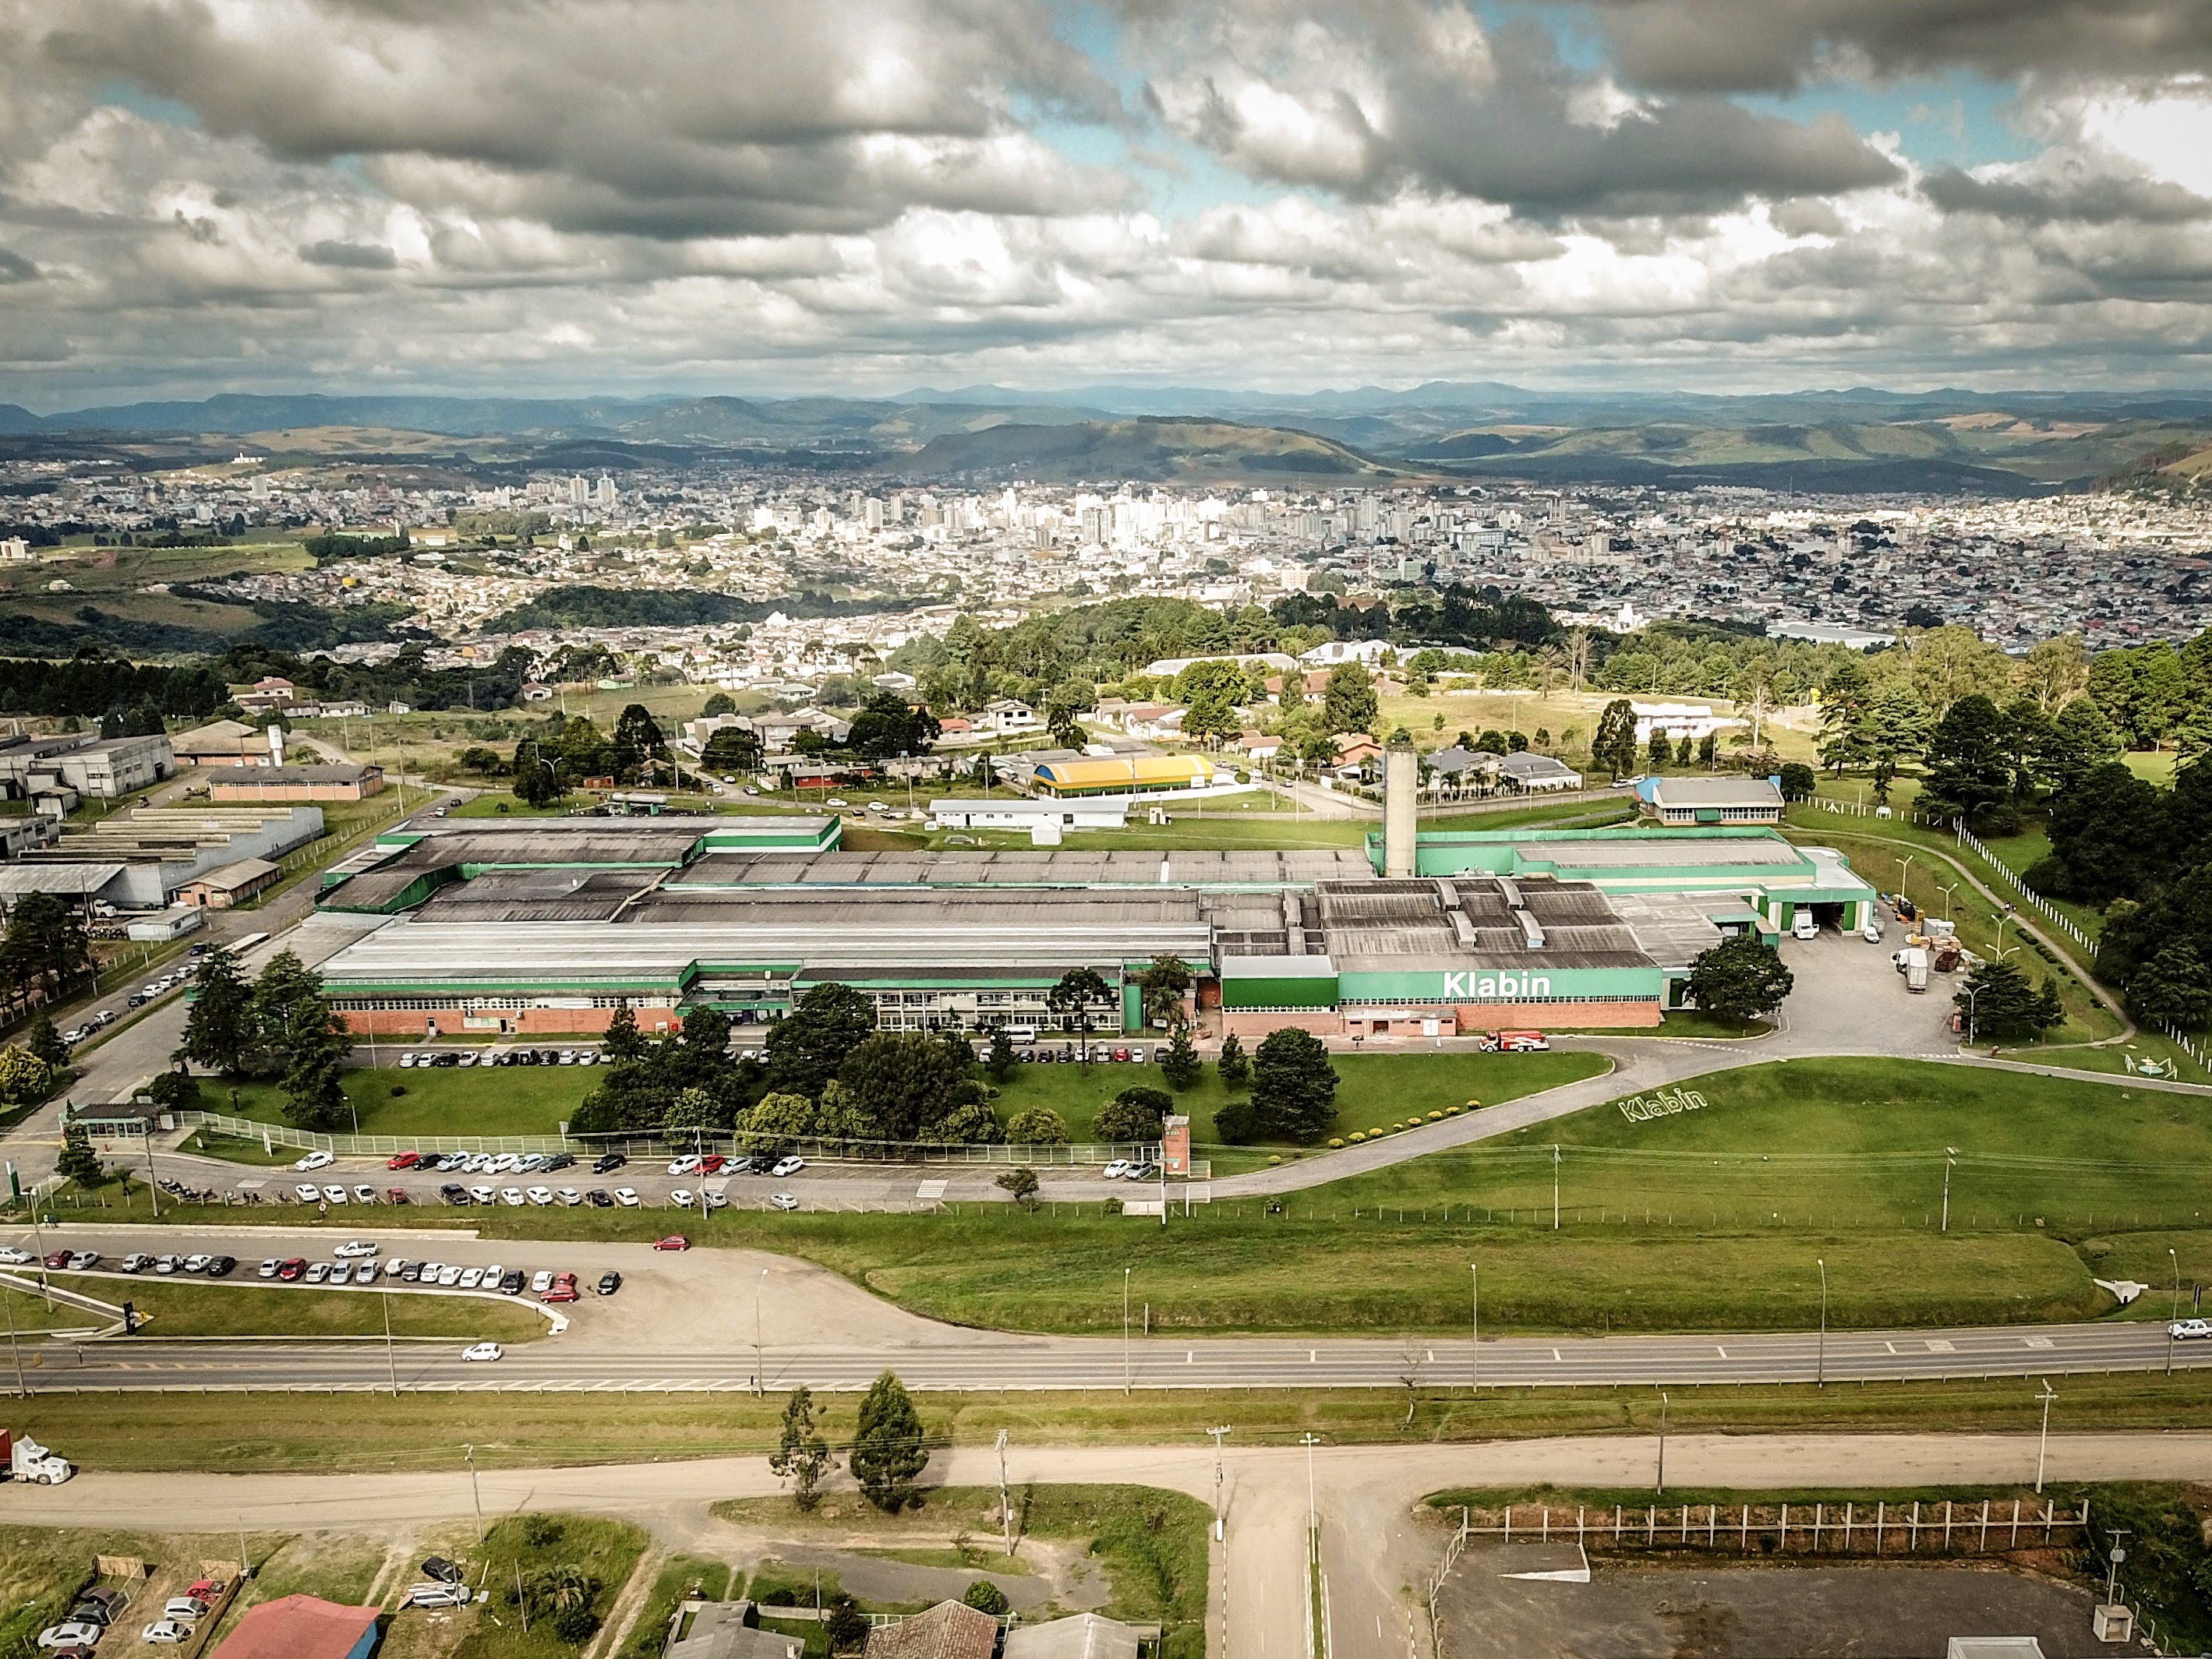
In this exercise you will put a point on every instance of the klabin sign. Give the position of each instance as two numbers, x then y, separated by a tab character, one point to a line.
1665	1104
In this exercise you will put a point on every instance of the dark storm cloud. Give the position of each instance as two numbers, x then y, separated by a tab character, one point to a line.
2087	199
1744	45
15	268
350	256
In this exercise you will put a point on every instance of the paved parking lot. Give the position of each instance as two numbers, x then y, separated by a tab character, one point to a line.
1636	1610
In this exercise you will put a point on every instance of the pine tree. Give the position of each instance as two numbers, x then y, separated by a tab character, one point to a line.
1181	1064
218	1023
1235	1065
78	1162
315	1047
1000	1065
623	1043
888	1452
802	1457
46	1043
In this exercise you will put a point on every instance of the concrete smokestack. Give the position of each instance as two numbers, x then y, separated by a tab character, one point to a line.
1402	779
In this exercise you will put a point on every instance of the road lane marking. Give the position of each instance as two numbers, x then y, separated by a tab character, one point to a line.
1938	1345
1719	1350
2038	1341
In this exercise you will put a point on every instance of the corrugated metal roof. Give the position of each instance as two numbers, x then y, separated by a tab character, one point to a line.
78	879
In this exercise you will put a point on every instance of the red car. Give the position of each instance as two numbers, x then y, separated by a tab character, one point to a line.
397	1195
205	1589
404	1161
291	1270
563	1289
673	1242
712	1163
59	1259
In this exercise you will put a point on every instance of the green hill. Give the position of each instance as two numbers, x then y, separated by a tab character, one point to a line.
1164	449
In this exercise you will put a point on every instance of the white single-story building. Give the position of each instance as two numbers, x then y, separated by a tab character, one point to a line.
1537	773
1022	812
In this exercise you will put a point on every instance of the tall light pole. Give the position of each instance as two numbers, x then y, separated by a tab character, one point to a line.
476	1495
22	1387
2175	1318
1475	1344
391	1355
1125	1271
1661	1485
1821	1365
1951	902
760	1362
1555	1189
1972	991
1309	1440
1216	1434
1950	1157
1904	874
2043	1444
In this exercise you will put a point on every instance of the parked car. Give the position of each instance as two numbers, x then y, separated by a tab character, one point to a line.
788	1166
221	1266
673	1242
270	1265
683	1166
167	1631
608	1162
319	1273
784	1202
292	1271
1116	1169
562	1289
186	1607
510	1282
75	1633
315	1161
364	1272
681	1198
354	1247
627	1197
600	1199
403	1160
136	1262
609	1282
12	1257
435	1595
335	1194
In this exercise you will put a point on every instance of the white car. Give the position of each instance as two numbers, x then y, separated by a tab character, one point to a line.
837	800
11	1256
449	1275
788	1166
683	1166
503	1164
394	1266
1117	1169
335	1194
541	1281
136	1262
512	1195
539	1194
468	1059
195	1264
492	1276
711	1199
168	1264
569	1195
354	1247
76	1633
408	1061
471	1278
315	1161
184	1607
627	1197
269	1265
783	1201
364	1272
482	1194
166	1630
308	1195
2190	1330
681	1198
435	1595
482	1351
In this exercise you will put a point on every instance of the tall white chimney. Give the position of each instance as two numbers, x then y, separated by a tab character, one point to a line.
1401	780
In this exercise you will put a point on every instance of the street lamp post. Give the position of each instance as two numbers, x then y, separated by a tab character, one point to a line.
1951	902
2043	1444
760	1363
1216	1434
2174	1318
1661	1485
1475	1344
1555	1189
1820	1364
1904	874
1950	1157
1972	991
1309	1440
1125	1271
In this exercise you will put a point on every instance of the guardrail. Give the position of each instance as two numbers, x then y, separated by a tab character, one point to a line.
1815	1529
2049	912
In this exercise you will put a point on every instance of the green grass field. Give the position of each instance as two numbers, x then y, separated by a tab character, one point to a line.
502	1100
606	1550
169	1308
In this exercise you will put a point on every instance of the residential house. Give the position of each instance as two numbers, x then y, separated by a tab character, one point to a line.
303	1627
725	1630
1260	745
1006	715
1085	1636
948	1631
1538	773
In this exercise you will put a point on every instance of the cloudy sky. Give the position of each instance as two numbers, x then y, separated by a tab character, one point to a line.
524	196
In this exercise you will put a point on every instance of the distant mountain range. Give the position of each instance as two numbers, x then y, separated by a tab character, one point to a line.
1947	440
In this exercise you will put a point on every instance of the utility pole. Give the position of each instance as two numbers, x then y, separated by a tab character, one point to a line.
1006	1499
1555	1189
22	1387
1474	1343
1662	1486
2175	1317
1216	1434
760	1362
2043	1444
1821	1365
1309	1440
476	1495
151	1187
1125	1271
1950	1157
391	1356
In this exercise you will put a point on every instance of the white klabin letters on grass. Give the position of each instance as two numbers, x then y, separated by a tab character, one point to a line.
1667	1102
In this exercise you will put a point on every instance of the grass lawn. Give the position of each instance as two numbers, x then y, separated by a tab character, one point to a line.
606	1553
372	1433
1153	1543
168	1308
441	1100
1372	1089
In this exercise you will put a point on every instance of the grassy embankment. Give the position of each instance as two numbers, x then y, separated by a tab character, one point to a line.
1705	1219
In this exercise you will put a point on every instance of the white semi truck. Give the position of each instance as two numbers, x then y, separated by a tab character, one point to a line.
28	1461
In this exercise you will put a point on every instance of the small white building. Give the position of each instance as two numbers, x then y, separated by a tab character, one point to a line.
1024	812
1331	653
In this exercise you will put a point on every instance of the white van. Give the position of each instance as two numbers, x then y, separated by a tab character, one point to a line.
1804	926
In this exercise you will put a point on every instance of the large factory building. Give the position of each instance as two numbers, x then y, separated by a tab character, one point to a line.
548	927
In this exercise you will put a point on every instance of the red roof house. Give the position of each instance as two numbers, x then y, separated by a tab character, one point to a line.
303	1627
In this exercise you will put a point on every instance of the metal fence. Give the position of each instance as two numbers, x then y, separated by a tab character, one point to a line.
2050	912
1881	1528
273	1135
